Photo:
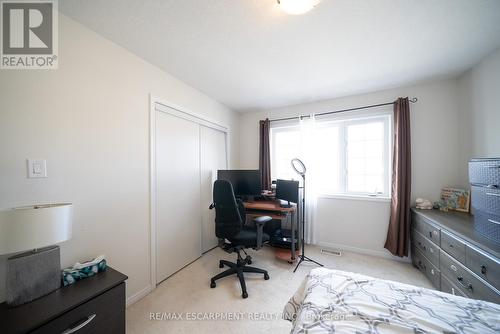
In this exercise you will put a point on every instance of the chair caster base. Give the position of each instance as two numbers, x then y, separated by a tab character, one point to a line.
244	295
221	265
212	285
266	276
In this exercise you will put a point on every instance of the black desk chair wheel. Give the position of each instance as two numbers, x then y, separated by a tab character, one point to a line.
229	226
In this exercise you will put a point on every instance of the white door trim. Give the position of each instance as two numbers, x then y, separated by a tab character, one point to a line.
184	113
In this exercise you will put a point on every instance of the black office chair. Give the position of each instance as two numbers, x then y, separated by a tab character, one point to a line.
229	225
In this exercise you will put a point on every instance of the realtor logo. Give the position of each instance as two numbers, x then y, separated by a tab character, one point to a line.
29	35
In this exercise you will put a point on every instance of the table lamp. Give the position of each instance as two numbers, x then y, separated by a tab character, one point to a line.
37	228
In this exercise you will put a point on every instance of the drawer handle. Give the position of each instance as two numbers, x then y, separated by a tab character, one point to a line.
493	166
491	186
80	326
493	194
450	245
493	221
483	270
460	280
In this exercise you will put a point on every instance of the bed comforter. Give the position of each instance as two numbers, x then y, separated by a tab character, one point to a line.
332	301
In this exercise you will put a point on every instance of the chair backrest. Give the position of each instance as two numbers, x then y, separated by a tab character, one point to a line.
229	213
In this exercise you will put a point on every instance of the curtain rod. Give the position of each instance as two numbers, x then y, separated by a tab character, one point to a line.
413	100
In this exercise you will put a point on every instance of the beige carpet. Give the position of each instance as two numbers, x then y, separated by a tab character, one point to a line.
187	294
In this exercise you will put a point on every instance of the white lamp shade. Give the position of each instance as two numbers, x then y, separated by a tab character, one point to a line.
297	7
31	227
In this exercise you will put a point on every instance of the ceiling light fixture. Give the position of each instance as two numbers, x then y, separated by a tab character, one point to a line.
297	7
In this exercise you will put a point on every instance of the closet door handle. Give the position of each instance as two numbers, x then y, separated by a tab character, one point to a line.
80	326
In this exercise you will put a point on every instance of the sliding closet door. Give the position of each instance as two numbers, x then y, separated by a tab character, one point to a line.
178	240
213	157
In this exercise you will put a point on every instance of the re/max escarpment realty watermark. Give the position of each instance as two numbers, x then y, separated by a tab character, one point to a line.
29	37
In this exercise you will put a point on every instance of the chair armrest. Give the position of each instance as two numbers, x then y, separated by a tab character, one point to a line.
262	220
259	223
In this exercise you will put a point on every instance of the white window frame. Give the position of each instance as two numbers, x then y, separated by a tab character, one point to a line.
386	121
360	118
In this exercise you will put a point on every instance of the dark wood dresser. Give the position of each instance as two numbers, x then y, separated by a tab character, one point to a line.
454	256
93	305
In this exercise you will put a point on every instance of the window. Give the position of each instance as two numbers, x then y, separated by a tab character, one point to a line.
347	156
285	147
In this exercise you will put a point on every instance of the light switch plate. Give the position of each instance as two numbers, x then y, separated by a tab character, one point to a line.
37	168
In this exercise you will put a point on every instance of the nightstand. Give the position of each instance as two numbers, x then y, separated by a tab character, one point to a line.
92	305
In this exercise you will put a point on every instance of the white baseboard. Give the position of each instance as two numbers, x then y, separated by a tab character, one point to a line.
378	253
139	295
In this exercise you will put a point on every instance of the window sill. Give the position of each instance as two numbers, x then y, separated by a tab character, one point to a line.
356	197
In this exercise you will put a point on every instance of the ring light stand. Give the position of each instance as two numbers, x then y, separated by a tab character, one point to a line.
299	167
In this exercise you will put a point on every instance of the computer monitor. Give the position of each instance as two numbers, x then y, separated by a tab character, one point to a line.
246	182
287	190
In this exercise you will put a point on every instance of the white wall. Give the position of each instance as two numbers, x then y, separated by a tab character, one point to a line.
362	225
480	111
90	120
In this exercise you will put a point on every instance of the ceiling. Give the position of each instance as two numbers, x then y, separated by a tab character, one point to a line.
249	55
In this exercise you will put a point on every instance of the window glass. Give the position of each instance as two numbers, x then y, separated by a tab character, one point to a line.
350	157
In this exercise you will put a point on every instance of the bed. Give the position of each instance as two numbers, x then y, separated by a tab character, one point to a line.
332	301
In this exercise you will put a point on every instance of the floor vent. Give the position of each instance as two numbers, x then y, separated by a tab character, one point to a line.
335	252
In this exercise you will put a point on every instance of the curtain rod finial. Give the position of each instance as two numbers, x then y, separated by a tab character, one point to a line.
413	100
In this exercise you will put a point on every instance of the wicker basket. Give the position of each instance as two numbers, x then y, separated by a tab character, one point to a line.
486	200
485	172
484	175
487	225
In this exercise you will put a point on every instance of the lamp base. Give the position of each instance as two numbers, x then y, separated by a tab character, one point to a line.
32	274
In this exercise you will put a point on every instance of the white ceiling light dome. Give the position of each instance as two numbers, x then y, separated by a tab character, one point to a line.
297	7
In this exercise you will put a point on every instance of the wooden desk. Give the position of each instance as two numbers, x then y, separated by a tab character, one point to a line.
273	209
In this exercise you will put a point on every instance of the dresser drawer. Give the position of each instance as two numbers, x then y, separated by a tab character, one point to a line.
485	172
466	281
448	287
102	314
453	246
483	265
427	268
430	251
426	228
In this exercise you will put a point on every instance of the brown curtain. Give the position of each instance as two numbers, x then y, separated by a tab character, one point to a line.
399	224
265	154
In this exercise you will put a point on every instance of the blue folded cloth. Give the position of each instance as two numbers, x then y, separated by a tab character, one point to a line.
81	271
